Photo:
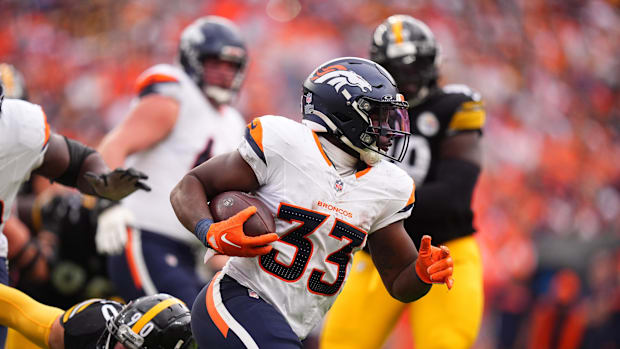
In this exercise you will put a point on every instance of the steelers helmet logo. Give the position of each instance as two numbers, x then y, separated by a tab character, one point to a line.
427	124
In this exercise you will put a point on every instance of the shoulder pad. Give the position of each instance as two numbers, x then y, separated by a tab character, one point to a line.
32	130
161	73
470	114
283	129
463	90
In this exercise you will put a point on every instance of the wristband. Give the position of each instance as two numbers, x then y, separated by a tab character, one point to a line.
202	227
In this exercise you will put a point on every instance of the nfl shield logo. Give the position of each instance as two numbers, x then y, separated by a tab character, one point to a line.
338	185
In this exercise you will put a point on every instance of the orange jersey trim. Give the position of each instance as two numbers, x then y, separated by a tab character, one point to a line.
362	172
412	196
318	144
213	313
47	129
254	137
145	81
256	131
131	260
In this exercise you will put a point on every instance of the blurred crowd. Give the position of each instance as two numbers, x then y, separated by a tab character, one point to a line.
548	203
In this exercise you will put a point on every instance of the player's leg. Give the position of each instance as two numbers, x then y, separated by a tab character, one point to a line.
364	313
27	316
228	315
451	319
172	266
152	263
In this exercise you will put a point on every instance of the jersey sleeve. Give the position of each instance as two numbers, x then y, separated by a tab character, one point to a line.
86	321
33	133
160	79
399	205
469	114
258	148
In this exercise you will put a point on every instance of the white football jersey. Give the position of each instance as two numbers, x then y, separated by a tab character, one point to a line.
322	219
201	132
24	134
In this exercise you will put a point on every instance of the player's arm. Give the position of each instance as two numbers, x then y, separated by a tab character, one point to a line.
25	254
149	122
406	275
458	170
37	322
73	164
189	199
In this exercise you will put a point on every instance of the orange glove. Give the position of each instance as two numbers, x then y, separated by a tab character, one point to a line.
227	237
434	264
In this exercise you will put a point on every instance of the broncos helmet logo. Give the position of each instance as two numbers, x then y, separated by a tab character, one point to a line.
338	76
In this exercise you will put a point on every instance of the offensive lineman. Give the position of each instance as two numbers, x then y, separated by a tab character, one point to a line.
331	193
181	119
27	146
445	162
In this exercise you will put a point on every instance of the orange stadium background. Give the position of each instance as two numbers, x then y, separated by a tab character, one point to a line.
548	202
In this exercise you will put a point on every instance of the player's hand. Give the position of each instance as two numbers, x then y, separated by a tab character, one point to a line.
227	237
434	264
117	184
111	233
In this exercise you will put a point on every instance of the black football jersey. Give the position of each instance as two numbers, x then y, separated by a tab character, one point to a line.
85	322
448	111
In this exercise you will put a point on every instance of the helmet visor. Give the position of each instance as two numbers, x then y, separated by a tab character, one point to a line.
389	120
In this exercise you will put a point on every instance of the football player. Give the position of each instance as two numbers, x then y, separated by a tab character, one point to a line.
151	322
444	160
27	145
331	193
182	118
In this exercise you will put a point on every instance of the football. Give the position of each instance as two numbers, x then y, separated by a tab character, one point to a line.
227	204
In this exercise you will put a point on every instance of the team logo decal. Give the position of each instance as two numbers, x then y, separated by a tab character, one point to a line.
427	124
338	76
339	185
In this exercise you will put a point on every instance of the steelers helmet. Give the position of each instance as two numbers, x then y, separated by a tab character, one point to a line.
407	48
152	322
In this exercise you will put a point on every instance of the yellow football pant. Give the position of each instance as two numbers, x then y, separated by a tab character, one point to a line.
26	316
364	313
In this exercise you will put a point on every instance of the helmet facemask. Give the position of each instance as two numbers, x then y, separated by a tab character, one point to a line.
387	122
213	38
414	75
231	61
406	47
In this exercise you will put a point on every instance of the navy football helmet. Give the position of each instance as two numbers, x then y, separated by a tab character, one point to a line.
217	38
152	322
357	100
406	47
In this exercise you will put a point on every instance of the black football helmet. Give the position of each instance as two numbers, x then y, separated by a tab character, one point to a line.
152	322
212	37
357	100
406	47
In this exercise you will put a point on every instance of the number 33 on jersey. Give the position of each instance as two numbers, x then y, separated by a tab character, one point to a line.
322	218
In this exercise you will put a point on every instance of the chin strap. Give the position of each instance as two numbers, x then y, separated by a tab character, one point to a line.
218	94
368	156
